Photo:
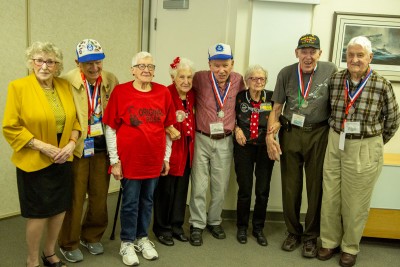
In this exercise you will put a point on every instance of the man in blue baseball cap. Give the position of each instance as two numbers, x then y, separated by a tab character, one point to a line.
216	91
91	88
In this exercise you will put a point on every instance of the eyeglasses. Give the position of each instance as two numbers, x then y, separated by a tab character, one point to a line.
39	62
144	66
255	79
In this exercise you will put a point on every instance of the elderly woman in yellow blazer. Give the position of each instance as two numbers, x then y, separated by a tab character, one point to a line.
40	125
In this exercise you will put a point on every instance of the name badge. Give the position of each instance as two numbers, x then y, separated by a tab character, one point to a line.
298	120
352	127
266	106
342	140
217	128
96	129
88	147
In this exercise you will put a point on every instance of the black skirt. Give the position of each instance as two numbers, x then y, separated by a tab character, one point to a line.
47	192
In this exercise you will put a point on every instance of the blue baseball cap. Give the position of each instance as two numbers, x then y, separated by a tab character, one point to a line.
89	50
220	51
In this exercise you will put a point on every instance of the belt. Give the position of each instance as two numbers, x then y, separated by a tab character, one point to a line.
216	136
312	126
357	136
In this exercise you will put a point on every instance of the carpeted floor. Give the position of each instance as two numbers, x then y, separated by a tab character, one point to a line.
221	253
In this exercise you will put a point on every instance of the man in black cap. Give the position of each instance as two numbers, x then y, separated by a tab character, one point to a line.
302	88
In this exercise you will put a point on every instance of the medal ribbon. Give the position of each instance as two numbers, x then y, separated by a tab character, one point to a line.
353	97
92	97
220	99
304	91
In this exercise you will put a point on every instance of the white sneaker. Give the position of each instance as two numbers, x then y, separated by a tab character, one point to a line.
127	251
147	248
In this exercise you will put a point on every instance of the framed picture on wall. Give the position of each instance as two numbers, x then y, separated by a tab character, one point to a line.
382	30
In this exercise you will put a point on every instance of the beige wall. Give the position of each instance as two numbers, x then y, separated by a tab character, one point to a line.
116	26
12	43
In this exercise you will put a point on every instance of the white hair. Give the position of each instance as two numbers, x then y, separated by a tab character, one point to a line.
184	63
363	41
254	68
139	56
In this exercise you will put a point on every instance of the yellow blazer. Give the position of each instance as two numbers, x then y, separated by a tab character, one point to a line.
28	114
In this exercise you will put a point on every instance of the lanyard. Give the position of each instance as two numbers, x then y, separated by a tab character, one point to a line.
303	90
262	99
353	96
219	98
91	96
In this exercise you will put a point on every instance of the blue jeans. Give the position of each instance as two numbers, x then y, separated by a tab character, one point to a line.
136	208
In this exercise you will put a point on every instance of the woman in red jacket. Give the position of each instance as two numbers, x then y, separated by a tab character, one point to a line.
171	192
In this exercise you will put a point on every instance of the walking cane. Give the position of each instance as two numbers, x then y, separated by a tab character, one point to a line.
112	236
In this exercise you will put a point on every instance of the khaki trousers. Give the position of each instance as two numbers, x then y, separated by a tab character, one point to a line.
349	180
211	167
90	176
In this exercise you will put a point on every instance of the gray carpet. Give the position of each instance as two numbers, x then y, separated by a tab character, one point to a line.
224	253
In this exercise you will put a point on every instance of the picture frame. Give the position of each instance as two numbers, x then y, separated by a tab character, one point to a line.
382	30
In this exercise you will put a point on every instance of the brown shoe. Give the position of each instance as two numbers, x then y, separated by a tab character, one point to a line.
310	248
347	260
327	253
291	242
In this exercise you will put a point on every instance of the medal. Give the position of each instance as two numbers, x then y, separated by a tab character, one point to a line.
304	104
219	96
352	110
180	115
91	119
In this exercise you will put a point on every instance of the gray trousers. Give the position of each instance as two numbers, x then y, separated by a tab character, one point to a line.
302	152
211	167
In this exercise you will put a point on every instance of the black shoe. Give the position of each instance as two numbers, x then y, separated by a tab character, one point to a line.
181	237
196	238
261	240
241	236
217	231
166	240
46	262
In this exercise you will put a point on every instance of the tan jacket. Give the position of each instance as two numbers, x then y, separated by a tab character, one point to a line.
109	81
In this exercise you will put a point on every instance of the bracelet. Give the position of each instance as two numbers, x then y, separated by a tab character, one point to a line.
115	163
30	143
73	140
